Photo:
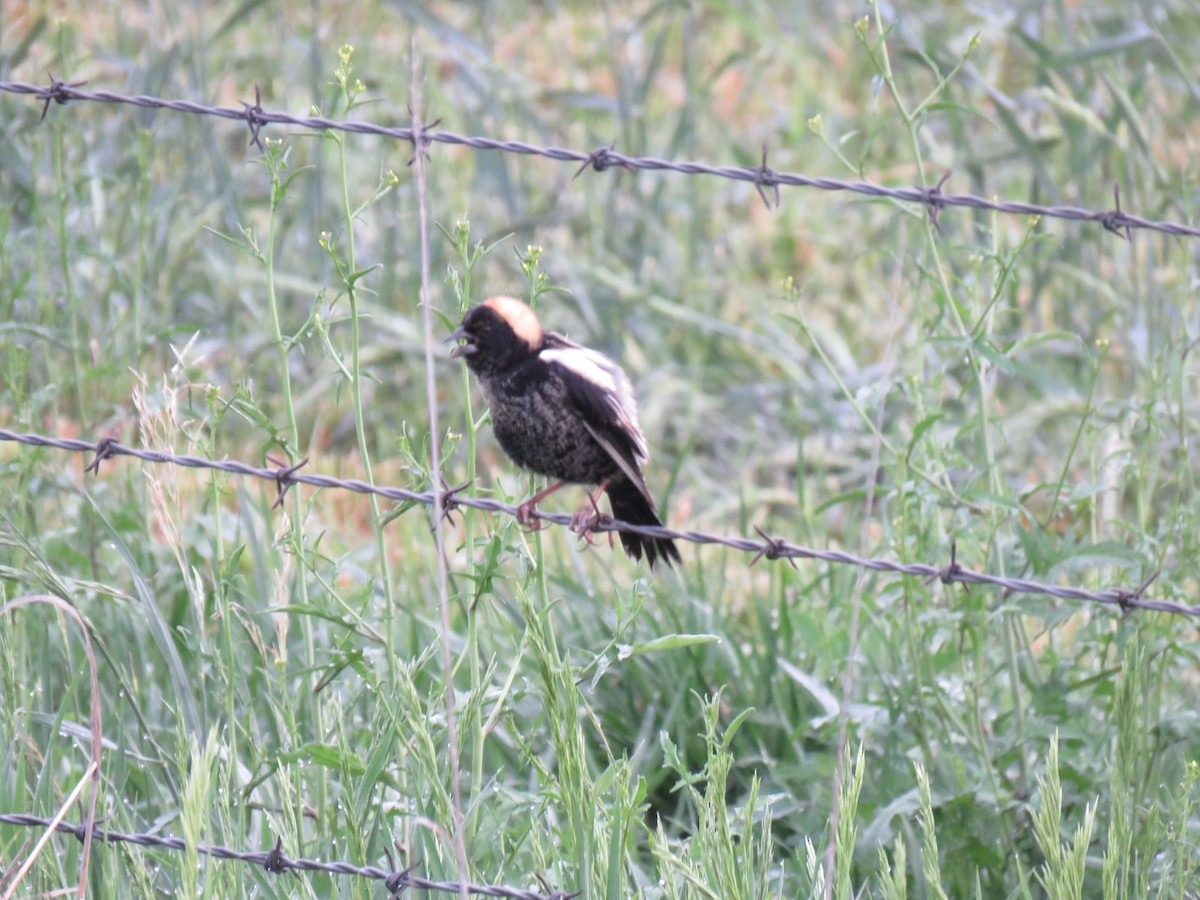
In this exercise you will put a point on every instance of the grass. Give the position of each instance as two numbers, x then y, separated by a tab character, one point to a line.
839	371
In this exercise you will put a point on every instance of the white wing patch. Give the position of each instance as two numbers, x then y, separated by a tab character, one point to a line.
601	371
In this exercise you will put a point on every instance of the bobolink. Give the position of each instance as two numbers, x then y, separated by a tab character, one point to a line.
563	411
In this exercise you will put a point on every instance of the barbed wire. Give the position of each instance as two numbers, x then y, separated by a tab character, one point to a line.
763	177
277	862
768	547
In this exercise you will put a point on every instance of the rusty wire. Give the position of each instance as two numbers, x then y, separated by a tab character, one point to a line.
277	862
284	476
763	177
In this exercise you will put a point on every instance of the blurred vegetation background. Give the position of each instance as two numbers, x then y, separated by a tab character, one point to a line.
836	370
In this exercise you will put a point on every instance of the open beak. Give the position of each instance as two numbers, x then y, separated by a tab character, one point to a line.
460	334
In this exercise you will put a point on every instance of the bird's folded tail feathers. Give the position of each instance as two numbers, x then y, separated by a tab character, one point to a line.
629	505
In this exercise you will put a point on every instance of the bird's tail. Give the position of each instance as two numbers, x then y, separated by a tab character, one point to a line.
629	505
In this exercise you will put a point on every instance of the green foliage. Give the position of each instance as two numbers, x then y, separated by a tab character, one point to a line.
1063	873
845	372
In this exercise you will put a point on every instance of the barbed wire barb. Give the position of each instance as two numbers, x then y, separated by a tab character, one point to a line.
1115	220
253	119
57	93
773	548
950	572
769	547
450	496
284	477
766	179
103	452
934	203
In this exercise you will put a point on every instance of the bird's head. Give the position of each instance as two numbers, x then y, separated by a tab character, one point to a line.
497	334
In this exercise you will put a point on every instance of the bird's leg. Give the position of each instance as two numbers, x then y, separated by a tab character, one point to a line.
525	510
584	521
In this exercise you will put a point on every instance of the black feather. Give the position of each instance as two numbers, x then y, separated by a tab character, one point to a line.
628	505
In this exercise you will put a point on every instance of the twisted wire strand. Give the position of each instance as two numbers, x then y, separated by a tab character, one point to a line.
767	546
276	862
762	177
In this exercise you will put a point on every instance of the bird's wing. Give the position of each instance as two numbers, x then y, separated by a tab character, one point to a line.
603	396
630	470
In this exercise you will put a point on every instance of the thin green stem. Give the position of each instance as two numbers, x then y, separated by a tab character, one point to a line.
64	258
220	577
360	429
977	367
145	143
420	171
1075	439
276	162
474	724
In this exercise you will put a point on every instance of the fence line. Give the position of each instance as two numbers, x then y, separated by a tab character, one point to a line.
285	477
767	183
277	862
763	177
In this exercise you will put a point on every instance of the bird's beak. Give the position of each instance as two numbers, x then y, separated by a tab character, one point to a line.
460	334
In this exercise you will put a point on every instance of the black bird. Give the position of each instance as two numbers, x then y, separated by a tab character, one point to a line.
563	411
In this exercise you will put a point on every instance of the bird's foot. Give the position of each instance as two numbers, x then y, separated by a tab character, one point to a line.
585	522
525	515
525	510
